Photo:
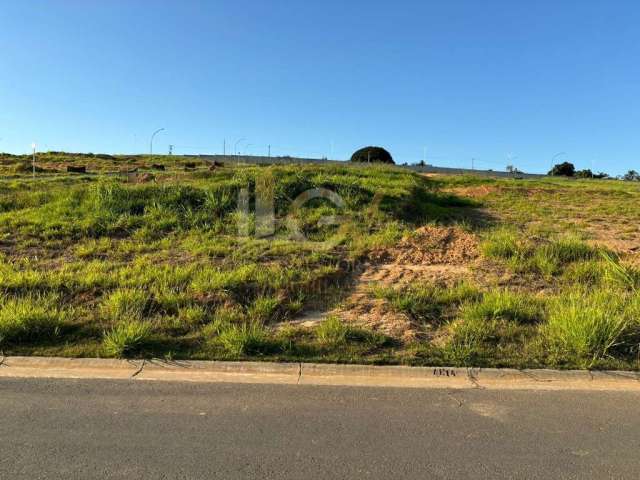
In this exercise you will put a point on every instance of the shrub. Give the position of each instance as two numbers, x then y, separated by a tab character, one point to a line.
126	337
30	317
372	155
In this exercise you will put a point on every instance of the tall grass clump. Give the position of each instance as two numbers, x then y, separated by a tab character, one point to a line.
498	318
503	305
127	304
126	337
332	332
502	243
588	324
567	250
244	339
426	302
29	318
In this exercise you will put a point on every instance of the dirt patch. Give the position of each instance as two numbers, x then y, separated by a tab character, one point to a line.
431	245
480	191
429	255
375	314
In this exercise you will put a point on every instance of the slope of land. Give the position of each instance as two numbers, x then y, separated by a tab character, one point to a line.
164	257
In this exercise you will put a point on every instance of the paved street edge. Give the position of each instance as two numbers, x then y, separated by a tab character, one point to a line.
316	374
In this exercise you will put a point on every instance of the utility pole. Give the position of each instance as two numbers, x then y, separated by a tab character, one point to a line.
33	160
170	149
269	154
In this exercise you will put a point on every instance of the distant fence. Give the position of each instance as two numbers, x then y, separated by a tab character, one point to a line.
260	160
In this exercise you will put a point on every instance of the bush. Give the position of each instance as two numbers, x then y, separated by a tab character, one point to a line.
126	338
372	155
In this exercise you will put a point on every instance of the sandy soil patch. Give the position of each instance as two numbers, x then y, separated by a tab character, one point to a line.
429	255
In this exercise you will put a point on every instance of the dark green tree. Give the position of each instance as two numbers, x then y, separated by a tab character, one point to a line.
564	169
372	155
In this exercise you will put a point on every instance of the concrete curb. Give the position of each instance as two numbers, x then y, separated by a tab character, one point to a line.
316	374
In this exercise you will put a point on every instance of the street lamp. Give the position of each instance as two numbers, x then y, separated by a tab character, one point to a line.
235	149
151	141
553	159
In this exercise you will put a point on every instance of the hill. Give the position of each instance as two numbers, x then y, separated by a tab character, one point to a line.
168	257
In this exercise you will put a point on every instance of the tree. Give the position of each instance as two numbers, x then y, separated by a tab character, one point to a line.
587	173
564	169
631	176
372	155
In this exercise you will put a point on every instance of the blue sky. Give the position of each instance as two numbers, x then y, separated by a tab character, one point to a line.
485	79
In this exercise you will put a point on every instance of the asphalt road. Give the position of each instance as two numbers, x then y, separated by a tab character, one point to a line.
71	429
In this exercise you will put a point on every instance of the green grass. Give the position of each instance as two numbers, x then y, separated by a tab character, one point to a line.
247	338
504	305
29	318
590	324
126	338
428	302
94	265
332	332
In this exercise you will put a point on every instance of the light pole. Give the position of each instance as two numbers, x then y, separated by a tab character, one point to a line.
33	160
553	159
235	149
151	141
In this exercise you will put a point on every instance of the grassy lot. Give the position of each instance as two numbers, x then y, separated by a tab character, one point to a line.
416	270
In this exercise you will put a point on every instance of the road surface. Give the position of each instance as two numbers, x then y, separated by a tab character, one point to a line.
81	429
